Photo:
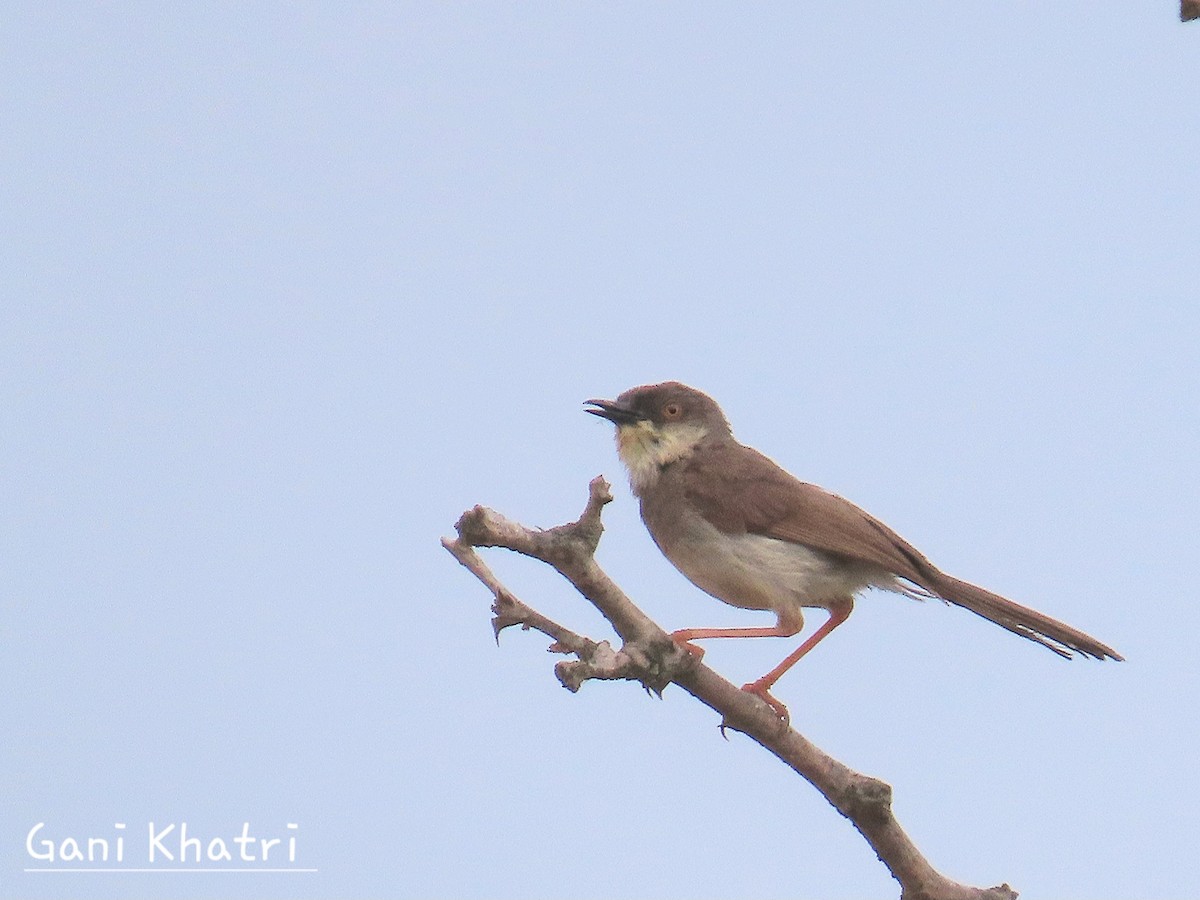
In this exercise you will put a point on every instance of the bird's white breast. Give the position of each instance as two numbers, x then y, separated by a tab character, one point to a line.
757	572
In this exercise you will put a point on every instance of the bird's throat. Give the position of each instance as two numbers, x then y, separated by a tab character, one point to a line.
645	449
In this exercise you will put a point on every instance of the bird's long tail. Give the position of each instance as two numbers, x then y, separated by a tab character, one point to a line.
1028	623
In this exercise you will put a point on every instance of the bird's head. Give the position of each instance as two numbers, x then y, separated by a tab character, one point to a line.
658	424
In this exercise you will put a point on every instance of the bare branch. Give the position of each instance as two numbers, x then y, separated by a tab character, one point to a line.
648	655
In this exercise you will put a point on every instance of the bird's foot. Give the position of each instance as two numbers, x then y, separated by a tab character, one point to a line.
758	689
680	639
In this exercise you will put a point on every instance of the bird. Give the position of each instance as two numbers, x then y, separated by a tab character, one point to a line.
744	530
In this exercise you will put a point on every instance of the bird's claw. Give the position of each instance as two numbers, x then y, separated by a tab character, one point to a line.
760	690
697	653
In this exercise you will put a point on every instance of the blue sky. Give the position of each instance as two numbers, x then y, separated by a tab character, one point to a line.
287	288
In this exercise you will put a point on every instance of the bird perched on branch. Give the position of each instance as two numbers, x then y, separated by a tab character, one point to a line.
742	529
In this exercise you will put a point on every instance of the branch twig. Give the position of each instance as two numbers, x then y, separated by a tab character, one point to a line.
648	655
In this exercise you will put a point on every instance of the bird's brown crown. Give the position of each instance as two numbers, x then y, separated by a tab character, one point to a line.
672	401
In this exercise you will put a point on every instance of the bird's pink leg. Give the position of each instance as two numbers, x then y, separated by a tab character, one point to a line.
685	636
838	614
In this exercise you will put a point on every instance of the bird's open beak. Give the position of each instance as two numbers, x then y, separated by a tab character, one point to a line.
616	413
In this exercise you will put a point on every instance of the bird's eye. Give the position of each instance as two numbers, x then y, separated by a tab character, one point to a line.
672	410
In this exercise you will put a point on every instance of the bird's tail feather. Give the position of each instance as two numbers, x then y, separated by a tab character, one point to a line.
1028	623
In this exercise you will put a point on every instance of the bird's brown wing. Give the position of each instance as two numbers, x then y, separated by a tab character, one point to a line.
767	500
